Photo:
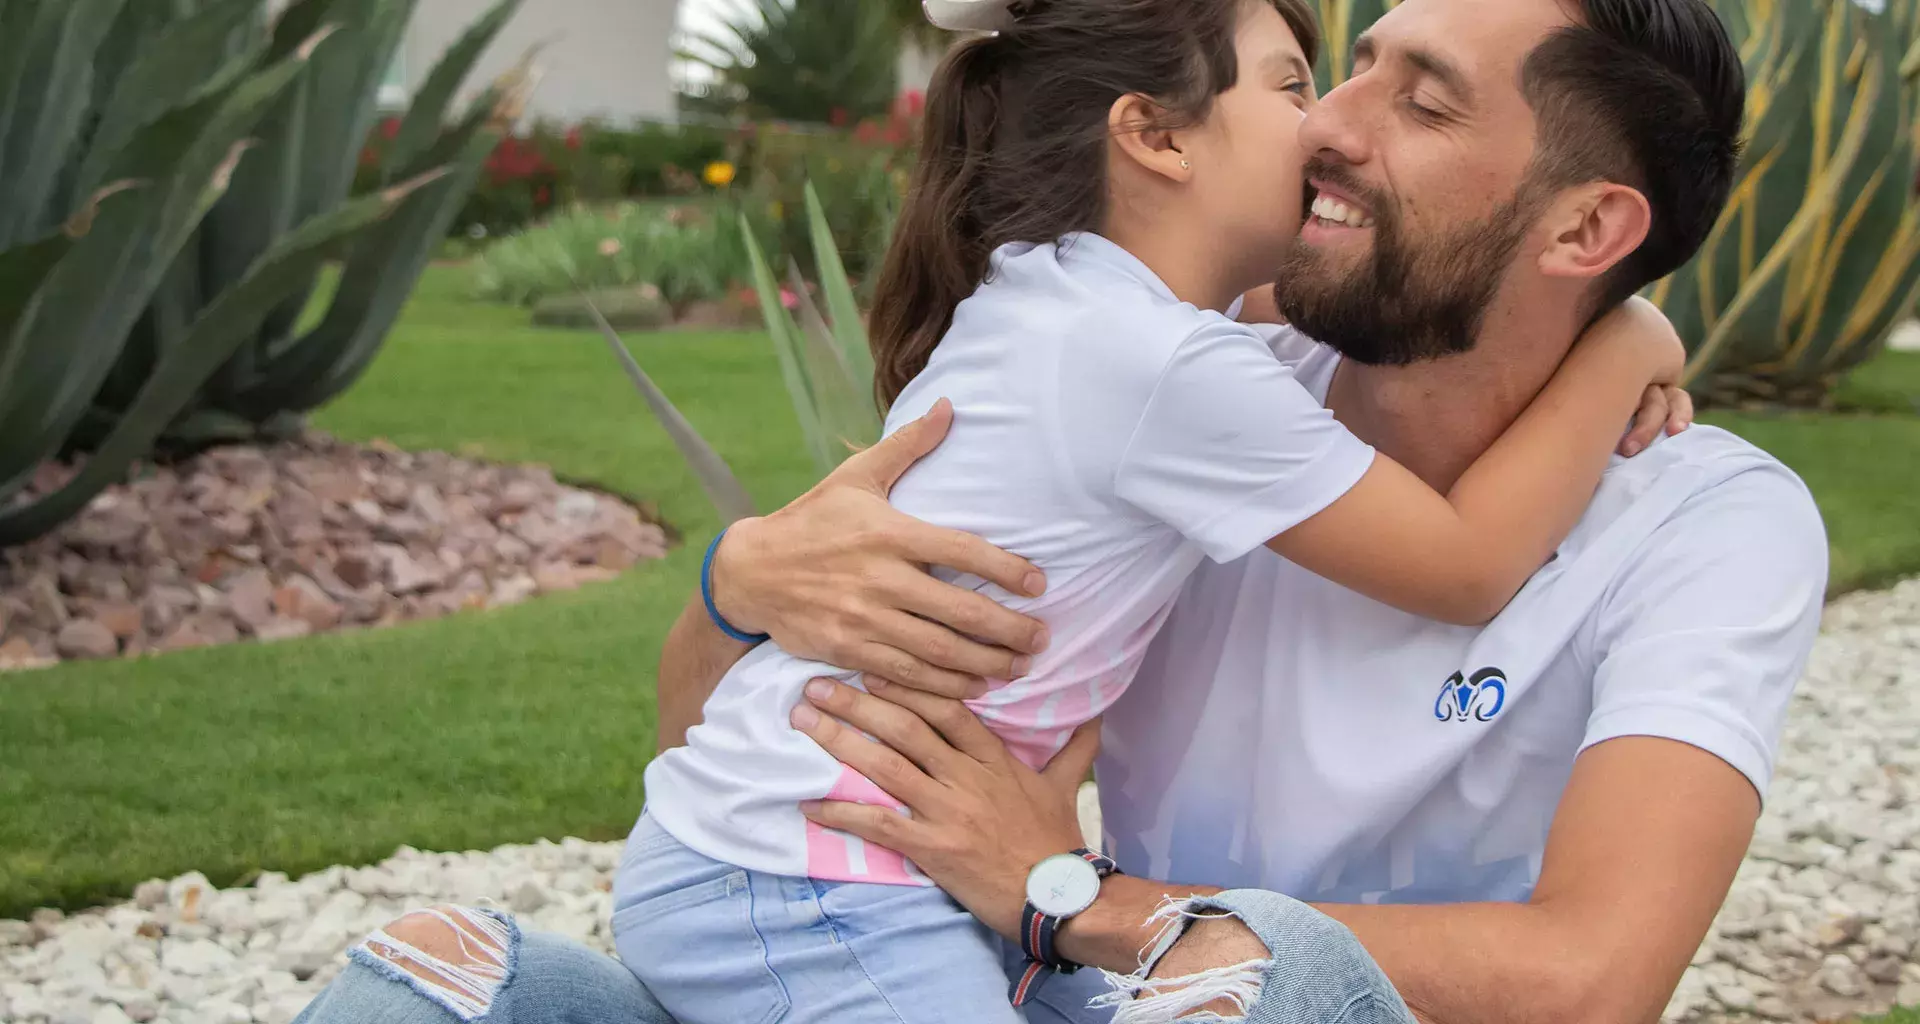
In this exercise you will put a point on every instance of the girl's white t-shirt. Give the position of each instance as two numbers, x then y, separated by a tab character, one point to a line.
1103	429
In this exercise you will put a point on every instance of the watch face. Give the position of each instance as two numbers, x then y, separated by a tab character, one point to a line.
1062	885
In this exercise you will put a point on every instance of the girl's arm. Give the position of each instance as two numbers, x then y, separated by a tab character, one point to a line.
1460	558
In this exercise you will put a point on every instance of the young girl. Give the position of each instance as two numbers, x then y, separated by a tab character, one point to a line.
1099	180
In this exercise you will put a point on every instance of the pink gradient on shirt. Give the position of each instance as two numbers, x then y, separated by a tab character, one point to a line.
1035	717
836	856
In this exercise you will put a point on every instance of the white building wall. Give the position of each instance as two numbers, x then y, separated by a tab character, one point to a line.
917	64
604	59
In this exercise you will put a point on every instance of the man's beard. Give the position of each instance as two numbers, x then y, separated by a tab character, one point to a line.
1409	303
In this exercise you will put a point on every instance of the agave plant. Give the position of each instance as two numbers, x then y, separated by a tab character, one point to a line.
303	164
172	176
1817	258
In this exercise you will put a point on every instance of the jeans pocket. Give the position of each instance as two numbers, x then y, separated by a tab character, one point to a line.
696	948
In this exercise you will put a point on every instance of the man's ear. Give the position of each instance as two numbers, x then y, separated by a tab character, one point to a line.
1590	229
1130	123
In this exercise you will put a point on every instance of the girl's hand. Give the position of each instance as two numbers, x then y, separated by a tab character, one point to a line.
1666	409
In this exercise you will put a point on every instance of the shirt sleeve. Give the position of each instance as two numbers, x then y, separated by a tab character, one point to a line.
1231	450
1703	637
1287	343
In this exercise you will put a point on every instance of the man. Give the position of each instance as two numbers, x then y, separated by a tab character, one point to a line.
1531	821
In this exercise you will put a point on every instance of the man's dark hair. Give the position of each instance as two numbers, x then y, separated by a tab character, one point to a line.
1647	93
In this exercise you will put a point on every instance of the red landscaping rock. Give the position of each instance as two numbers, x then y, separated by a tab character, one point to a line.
303	537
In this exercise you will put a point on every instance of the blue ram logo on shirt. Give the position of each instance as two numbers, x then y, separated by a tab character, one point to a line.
1478	698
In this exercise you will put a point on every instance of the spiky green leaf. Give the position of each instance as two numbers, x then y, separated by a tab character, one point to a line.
46	87
786	346
164	73
428	114
848	331
722	487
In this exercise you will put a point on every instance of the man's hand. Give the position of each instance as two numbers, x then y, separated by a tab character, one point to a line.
840	576
981	819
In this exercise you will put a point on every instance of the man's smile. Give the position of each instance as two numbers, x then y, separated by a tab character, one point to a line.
1333	214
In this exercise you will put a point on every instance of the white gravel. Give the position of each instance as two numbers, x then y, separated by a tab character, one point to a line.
1822	923
1824	919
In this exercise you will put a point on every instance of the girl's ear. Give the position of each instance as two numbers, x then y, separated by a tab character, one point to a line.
1131	122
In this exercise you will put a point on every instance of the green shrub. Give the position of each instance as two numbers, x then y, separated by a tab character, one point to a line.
551	167
860	180
684	250
649	160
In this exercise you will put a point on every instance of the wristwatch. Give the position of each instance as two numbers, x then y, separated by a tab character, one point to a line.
1059	889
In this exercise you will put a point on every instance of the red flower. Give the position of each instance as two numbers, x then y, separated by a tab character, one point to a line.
390	129
867	133
542	196
575	137
916	102
514	160
838	118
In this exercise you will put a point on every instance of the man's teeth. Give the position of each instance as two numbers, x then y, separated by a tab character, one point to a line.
1337	212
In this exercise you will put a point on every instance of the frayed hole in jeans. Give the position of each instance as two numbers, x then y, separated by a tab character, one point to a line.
1220	993
469	961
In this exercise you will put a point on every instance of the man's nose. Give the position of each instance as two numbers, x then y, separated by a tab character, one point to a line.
1339	126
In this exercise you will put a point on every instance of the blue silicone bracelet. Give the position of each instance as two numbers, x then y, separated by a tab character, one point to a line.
706	595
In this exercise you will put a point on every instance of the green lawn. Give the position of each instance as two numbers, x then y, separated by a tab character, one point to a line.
534	721
1865	474
456	734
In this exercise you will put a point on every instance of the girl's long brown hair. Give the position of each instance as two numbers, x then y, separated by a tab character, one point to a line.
1015	144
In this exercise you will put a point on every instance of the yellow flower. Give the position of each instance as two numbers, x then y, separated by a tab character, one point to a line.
719	174
833	166
777	209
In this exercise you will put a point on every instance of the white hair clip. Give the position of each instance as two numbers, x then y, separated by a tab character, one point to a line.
970	15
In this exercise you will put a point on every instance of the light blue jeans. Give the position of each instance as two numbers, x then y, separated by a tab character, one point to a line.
1319	974
719	944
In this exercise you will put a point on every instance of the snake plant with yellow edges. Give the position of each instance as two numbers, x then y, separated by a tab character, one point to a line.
1817	257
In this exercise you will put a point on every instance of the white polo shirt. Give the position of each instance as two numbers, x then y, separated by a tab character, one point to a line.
1288	734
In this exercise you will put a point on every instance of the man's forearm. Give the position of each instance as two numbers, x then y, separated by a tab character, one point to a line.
1495	963
692	663
1468	963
